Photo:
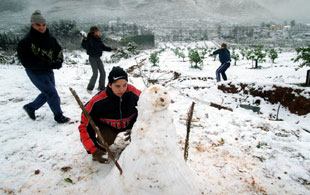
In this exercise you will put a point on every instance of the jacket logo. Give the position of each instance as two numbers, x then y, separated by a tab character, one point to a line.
47	55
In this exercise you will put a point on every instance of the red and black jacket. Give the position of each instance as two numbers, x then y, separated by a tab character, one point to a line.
108	109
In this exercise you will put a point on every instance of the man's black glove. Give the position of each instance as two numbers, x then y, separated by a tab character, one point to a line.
98	156
57	64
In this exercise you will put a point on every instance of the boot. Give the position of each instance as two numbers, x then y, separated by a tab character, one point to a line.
62	119
30	112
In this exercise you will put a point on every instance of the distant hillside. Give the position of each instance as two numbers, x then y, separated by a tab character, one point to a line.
157	11
150	12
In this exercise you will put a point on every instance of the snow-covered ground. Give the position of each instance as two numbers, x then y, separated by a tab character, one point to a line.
234	152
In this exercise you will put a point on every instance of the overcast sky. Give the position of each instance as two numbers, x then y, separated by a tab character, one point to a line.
296	9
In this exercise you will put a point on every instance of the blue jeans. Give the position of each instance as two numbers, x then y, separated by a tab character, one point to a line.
221	70
44	80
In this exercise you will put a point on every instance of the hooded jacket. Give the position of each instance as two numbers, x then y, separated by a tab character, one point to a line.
39	51
106	108
94	46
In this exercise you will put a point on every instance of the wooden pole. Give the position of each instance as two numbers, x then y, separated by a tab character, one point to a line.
188	127
102	143
308	78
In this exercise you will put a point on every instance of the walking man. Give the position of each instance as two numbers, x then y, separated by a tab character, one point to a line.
40	53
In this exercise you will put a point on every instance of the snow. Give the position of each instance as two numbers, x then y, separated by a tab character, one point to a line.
232	152
153	160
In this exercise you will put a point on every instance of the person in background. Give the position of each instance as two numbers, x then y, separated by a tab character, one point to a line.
40	53
112	110
94	48
225	60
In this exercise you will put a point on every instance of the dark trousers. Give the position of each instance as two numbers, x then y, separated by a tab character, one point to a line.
45	82
96	64
109	134
221	70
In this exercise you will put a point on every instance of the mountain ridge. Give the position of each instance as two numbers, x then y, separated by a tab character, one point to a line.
154	12
138	10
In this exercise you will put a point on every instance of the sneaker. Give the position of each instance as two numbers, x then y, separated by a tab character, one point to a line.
62	119
30	112
100	89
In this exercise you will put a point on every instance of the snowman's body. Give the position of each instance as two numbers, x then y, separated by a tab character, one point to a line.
152	163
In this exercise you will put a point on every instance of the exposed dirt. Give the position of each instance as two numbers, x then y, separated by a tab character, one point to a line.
287	97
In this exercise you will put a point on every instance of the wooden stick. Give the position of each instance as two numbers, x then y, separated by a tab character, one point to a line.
92	123
188	125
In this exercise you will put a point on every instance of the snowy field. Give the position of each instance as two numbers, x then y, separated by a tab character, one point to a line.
234	152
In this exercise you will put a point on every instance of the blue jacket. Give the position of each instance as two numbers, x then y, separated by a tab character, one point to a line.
224	54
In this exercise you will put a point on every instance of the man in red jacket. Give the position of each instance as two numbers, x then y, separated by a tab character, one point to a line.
113	111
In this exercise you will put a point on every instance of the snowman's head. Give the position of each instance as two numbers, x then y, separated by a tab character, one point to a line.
155	98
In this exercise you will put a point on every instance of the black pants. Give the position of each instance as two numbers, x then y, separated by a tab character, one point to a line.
109	134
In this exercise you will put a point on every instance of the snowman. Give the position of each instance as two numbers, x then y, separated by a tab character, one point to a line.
153	163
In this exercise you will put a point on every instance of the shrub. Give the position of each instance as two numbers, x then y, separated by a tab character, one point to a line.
304	55
154	59
273	54
8	58
62	28
235	56
126	52
195	58
257	55
8	41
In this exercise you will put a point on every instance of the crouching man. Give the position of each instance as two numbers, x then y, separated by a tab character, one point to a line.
113	110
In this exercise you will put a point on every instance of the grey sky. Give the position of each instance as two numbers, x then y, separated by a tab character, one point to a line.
289	9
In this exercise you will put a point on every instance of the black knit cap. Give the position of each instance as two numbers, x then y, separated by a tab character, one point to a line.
116	74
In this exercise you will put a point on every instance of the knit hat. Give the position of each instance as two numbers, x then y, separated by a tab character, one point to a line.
36	17
116	74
